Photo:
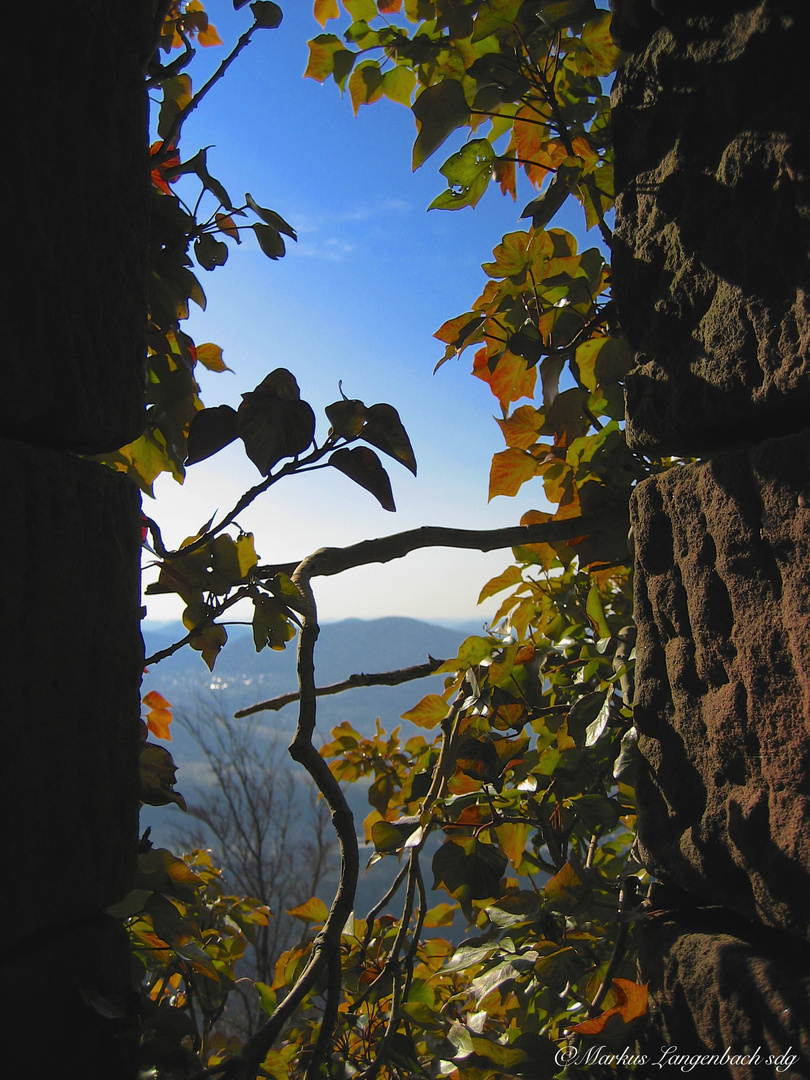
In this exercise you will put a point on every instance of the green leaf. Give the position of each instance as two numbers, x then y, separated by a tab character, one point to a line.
469	867
267	14
365	468
383	429
390	836
439	110
398	84
271	625
211	430
543	209
468	173
365	84
267	997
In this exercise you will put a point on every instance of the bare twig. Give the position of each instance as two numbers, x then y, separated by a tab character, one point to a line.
382	678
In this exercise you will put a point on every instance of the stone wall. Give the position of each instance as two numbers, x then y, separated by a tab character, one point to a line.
75	194
711	278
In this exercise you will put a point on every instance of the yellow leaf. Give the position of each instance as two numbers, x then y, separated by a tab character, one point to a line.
210	356
312	910
324	10
430	711
510	470
510	576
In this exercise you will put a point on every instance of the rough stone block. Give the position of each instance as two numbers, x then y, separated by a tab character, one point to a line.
710	269
719	985
73	655
76	224
722	598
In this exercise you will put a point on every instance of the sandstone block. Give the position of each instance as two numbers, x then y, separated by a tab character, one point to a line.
722	597
76	224
710	262
73	655
719	985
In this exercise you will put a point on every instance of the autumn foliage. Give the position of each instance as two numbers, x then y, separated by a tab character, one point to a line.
517	777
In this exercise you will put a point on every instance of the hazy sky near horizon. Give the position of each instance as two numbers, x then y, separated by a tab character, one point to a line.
356	300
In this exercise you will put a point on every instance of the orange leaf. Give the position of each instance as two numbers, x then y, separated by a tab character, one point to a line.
522	427
510	470
159	716
512	378
209	36
324	10
631	1003
210	356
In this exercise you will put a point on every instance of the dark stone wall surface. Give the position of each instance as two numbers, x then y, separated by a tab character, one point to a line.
711	277
75	195
722	601
710	264
744	991
73	657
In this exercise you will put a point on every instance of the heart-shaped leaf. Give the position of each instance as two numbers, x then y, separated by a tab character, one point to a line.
383	429
210	431
365	468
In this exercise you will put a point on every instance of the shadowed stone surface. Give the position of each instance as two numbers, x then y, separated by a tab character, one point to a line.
722	598
75	196
73	658
718	983
710	267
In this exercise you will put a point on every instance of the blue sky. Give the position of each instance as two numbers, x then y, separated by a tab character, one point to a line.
357	299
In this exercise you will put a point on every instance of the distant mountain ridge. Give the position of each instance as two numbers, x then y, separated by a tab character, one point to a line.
242	677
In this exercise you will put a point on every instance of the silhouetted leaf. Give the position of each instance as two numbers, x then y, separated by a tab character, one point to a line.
211	430
270	217
365	468
273	422
267	14
270	241
383	429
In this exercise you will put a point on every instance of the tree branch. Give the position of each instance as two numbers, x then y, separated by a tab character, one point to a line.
329	561
382	678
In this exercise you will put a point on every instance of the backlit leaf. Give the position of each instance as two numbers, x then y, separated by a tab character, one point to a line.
602	53
631	1003
509	471
430	711
398	84
324	10
312	910
210	356
365	84
270	217
439	110
468	173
